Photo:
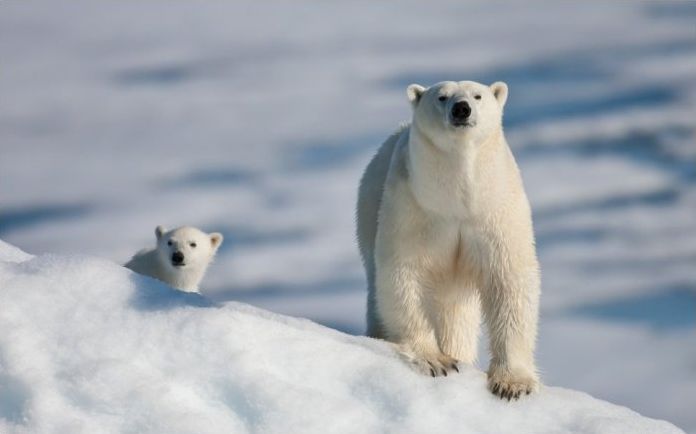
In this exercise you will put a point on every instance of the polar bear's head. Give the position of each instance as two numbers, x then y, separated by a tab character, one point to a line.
451	112
186	247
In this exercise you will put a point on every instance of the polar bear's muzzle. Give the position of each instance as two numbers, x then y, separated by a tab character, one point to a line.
460	114
178	259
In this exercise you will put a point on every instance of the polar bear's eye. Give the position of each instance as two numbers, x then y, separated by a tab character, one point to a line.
477	96
169	243
442	98
192	244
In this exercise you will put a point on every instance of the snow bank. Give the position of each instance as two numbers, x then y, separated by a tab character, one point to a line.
10	253
87	346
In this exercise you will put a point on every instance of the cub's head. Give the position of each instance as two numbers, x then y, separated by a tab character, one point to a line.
186	247
450	112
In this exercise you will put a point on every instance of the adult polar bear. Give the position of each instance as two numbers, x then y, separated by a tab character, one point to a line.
444	228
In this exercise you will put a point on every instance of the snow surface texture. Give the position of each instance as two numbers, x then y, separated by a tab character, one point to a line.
256	119
90	347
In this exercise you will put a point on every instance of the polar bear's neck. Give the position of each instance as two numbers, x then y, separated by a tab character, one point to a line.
186	279
449	183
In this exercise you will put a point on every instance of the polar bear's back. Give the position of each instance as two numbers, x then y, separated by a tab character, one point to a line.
369	201
144	262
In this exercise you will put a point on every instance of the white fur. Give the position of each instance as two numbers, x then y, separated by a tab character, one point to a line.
445	231
197	247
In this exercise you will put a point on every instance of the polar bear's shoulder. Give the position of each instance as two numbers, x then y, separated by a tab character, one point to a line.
401	131
403	125
397	140
143	262
375	175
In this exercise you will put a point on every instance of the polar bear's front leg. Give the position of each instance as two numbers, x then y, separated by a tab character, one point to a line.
457	322
402	307
511	305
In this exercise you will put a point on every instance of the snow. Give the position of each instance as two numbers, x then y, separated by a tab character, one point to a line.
255	119
88	346
10	253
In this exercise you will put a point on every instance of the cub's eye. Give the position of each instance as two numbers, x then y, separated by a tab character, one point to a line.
192	245
477	96
169	243
442	98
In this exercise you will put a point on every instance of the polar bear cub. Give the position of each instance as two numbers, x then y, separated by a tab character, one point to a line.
180	258
445	231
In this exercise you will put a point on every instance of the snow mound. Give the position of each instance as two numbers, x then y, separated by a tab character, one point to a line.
10	253
87	346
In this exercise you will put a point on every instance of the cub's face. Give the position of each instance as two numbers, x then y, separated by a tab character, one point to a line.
450	113
186	247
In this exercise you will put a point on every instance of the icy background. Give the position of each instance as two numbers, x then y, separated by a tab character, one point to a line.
256	119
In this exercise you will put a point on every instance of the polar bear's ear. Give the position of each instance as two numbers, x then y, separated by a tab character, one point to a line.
159	231
414	92
500	91
216	240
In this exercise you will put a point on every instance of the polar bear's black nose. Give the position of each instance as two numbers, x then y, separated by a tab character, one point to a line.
177	258
461	111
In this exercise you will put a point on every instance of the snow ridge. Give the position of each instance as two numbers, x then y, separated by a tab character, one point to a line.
89	347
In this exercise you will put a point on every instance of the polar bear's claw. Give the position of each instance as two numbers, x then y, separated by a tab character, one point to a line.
508	386
439	365
433	364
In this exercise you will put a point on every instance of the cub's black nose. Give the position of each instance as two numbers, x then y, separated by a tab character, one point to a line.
177	258
461	111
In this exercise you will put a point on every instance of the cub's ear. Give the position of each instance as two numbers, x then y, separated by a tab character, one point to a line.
216	240
414	93
159	231
500	91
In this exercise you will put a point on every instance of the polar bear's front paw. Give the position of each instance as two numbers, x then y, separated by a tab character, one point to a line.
435	365
510	384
